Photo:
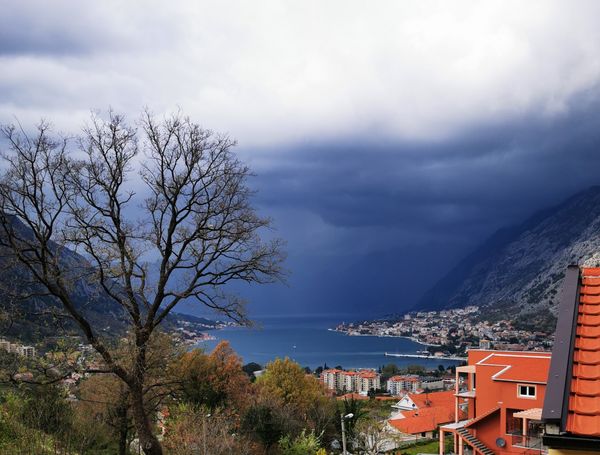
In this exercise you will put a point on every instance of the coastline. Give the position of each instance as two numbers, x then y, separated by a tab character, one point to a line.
416	340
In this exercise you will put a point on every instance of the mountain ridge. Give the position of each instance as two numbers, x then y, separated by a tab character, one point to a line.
520	268
29	314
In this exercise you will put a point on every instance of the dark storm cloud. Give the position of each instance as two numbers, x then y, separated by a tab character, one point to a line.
489	176
388	138
396	217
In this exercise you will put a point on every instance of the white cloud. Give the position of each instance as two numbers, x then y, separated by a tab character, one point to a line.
275	72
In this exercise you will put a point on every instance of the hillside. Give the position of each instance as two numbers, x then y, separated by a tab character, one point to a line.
519	270
30	316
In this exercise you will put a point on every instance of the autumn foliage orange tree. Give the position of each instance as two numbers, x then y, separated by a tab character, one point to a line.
182	231
213	380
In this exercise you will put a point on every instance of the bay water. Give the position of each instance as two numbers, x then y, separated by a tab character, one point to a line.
308	341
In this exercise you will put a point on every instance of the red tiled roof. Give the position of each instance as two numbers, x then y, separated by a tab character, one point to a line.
434	399
403	379
584	401
528	367
332	371
423	420
367	374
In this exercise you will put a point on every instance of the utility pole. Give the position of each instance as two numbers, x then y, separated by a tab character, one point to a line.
343	418
204	432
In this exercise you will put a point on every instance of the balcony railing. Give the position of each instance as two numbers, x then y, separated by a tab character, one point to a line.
533	442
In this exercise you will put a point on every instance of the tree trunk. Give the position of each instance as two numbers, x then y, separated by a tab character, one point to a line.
148	440
123	428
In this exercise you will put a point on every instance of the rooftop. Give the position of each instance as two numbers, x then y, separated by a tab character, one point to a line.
518	367
584	400
423	420
572	401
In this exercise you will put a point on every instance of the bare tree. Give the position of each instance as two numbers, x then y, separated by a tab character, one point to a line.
189	214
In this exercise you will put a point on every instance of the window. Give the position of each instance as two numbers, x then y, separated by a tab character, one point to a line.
526	391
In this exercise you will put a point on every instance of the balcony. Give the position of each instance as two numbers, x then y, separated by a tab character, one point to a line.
464	393
532	444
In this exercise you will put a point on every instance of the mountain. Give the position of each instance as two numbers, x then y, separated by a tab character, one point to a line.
519	269
30	316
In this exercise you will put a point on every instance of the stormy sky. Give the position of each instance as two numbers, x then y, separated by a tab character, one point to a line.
388	138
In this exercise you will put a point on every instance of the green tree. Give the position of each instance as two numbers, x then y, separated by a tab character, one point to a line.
263	423
213	380
303	444
46	408
389	370
288	382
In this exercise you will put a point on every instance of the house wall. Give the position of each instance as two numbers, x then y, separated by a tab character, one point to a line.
488	430
491	394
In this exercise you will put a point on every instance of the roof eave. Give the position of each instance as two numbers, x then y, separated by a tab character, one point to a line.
556	400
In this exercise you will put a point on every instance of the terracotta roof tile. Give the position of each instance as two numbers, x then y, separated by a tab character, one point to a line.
589	309
587	344
589	331
586	371
589	281
587	357
587	319
590	290
584	424
586	387
434	399
591	271
585	405
591	299
423	420
584	401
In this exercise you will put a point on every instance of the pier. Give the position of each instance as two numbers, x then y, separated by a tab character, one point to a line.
422	356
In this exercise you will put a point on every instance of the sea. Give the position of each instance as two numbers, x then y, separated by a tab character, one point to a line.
309	341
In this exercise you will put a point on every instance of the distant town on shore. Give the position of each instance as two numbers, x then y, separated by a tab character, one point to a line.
452	332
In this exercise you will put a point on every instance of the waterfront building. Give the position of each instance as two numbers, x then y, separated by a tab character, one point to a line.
332	379
361	381
350	383
368	380
396	385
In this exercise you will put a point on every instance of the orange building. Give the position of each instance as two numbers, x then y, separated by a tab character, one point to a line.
502	394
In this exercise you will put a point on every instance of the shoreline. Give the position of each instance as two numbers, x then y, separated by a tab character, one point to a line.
422	343
422	356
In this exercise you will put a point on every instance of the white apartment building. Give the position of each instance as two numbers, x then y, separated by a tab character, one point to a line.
25	351
396	385
332	379
351	381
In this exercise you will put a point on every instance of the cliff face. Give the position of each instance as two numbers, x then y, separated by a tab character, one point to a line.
519	270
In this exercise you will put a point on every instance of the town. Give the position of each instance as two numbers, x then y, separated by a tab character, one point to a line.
452	332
